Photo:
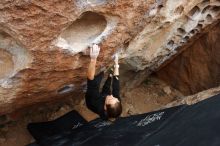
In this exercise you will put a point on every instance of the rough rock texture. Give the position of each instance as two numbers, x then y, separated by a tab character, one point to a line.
192	99
198	67
43	43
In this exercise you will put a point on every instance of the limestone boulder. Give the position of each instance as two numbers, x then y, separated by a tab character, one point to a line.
44	44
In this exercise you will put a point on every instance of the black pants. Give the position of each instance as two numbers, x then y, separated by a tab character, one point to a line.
111	86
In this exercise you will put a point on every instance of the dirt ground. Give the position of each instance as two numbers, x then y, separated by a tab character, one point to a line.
152	94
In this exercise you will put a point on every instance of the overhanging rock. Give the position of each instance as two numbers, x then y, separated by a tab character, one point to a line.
49	59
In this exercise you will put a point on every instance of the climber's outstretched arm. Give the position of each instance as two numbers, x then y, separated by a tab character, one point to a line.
116	66
115	84
94	52
91	69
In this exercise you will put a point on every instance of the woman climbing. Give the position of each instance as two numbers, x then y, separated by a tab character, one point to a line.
107	103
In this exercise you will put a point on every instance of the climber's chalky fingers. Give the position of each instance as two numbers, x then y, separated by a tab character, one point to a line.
94	51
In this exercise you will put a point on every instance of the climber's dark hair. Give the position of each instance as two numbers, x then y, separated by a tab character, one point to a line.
114	111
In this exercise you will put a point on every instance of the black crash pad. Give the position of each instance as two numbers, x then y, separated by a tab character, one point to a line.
195	125
69	121
130	129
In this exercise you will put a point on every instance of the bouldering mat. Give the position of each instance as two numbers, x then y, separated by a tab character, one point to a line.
69	121
130	130
122	131
195	125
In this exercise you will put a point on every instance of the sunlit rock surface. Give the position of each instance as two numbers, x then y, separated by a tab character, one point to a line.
43	44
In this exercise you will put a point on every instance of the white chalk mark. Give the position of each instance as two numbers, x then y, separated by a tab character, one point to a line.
150	119
77	125
102	124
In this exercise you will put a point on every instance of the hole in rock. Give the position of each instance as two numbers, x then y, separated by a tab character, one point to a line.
66	89
13	57
179	10
166	24
195	11
126	44
83	32
192	32
170	43
160	6
216	9
201	21
186	38
181	31
206	9
209	17
199	26
196	31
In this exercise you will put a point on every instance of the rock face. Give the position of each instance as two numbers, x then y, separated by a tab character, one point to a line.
193	99
43	44
197	68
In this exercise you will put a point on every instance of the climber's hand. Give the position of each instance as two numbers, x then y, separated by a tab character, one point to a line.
94	51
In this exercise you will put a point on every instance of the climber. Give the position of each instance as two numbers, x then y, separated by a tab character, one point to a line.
106	104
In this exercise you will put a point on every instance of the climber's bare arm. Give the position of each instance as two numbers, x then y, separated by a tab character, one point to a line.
91	69
116	66
94	52
116	83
